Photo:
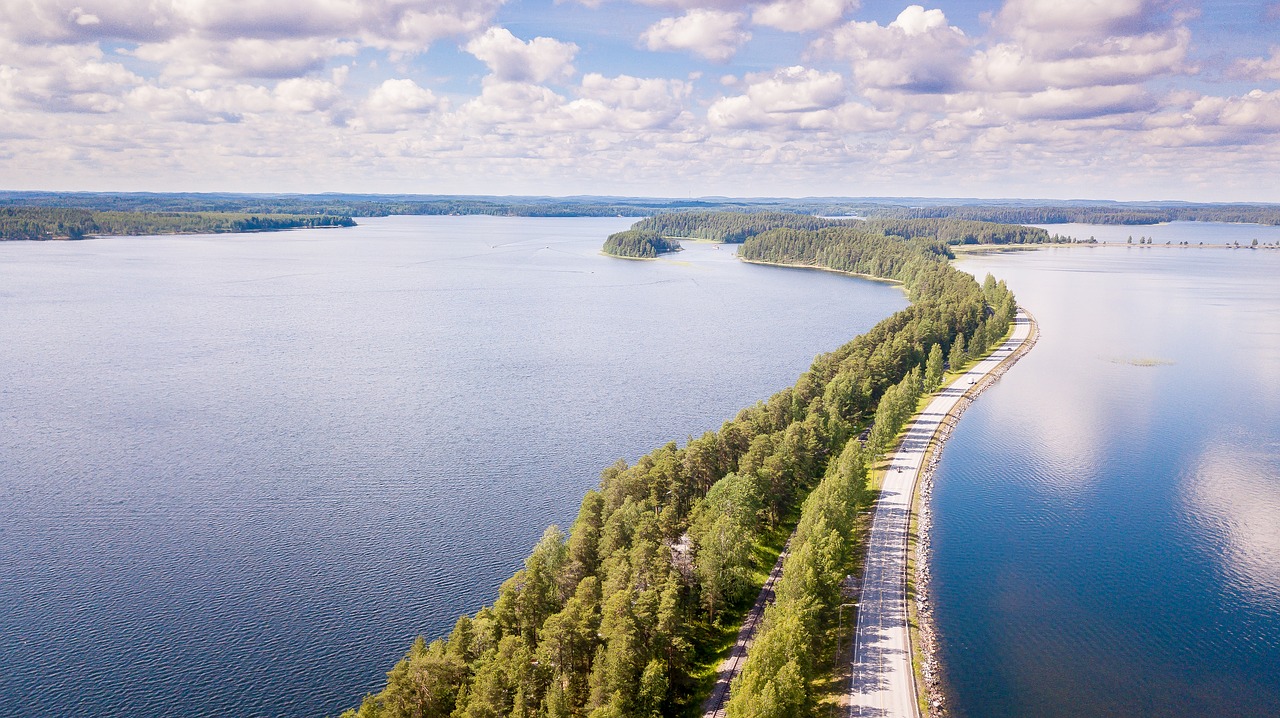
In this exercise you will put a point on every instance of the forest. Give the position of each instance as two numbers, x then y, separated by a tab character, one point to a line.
370	205
35	223
627	613
736	227
639	244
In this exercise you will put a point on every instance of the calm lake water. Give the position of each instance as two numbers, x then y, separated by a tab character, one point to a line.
1107	518
238	474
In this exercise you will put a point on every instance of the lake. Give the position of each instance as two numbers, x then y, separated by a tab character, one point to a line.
241	472
1107	517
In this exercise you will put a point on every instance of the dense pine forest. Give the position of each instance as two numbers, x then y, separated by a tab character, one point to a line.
625	614
57	223
735	227
639	244
730	227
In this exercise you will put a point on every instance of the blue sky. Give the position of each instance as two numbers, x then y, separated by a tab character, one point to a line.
1103	99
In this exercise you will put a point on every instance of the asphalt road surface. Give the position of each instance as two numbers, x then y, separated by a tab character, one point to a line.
883	684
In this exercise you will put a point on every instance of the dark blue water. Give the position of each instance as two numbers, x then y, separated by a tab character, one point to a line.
238	474
1107	518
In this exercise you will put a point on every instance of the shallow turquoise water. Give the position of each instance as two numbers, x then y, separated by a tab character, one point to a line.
1107	518
238	474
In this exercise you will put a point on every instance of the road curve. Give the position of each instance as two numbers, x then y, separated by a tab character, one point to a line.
883	683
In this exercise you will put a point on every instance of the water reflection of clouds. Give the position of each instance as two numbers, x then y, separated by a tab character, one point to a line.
1207	311
1234	493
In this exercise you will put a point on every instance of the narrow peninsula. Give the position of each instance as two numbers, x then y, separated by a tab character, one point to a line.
631	611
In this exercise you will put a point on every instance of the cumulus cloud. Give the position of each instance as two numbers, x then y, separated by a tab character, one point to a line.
301	95
1071	103
802	15
796	98
513	60
1048	44
198	60
401	25
713	34
73	78
402	96
1210	121
917	52
787	96
1258	68
629	103
396	104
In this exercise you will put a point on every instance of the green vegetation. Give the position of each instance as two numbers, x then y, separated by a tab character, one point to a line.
56	223
626	614
730	227
364	205
639	244
735	227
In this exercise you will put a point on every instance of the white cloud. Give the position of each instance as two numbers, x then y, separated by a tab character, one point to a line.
301	95
1112	61
1258	68
395	105
196	60
631	103
506	103
802	15
1072	103
406	26
1050	44
797	98
713	34
513	60
1209	121
401	96
72	78
917	52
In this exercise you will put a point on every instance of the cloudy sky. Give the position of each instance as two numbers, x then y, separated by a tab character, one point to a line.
1104	99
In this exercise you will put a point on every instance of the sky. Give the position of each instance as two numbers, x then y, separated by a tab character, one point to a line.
1059	99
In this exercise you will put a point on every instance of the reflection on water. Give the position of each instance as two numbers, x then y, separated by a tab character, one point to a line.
1235	495
1107	518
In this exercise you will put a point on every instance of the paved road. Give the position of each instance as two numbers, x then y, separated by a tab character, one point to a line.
883	684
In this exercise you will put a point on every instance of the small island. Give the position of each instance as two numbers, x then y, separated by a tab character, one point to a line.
639	244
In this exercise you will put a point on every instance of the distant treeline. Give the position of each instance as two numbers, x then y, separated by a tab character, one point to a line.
363	205
639	244
738	226
1255	214
57	223
624	616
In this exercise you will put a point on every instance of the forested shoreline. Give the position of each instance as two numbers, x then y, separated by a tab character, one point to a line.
639	244
624	615
367	205
737	227
42	223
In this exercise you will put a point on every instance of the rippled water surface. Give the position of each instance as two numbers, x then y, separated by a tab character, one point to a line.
239	473
1107	517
